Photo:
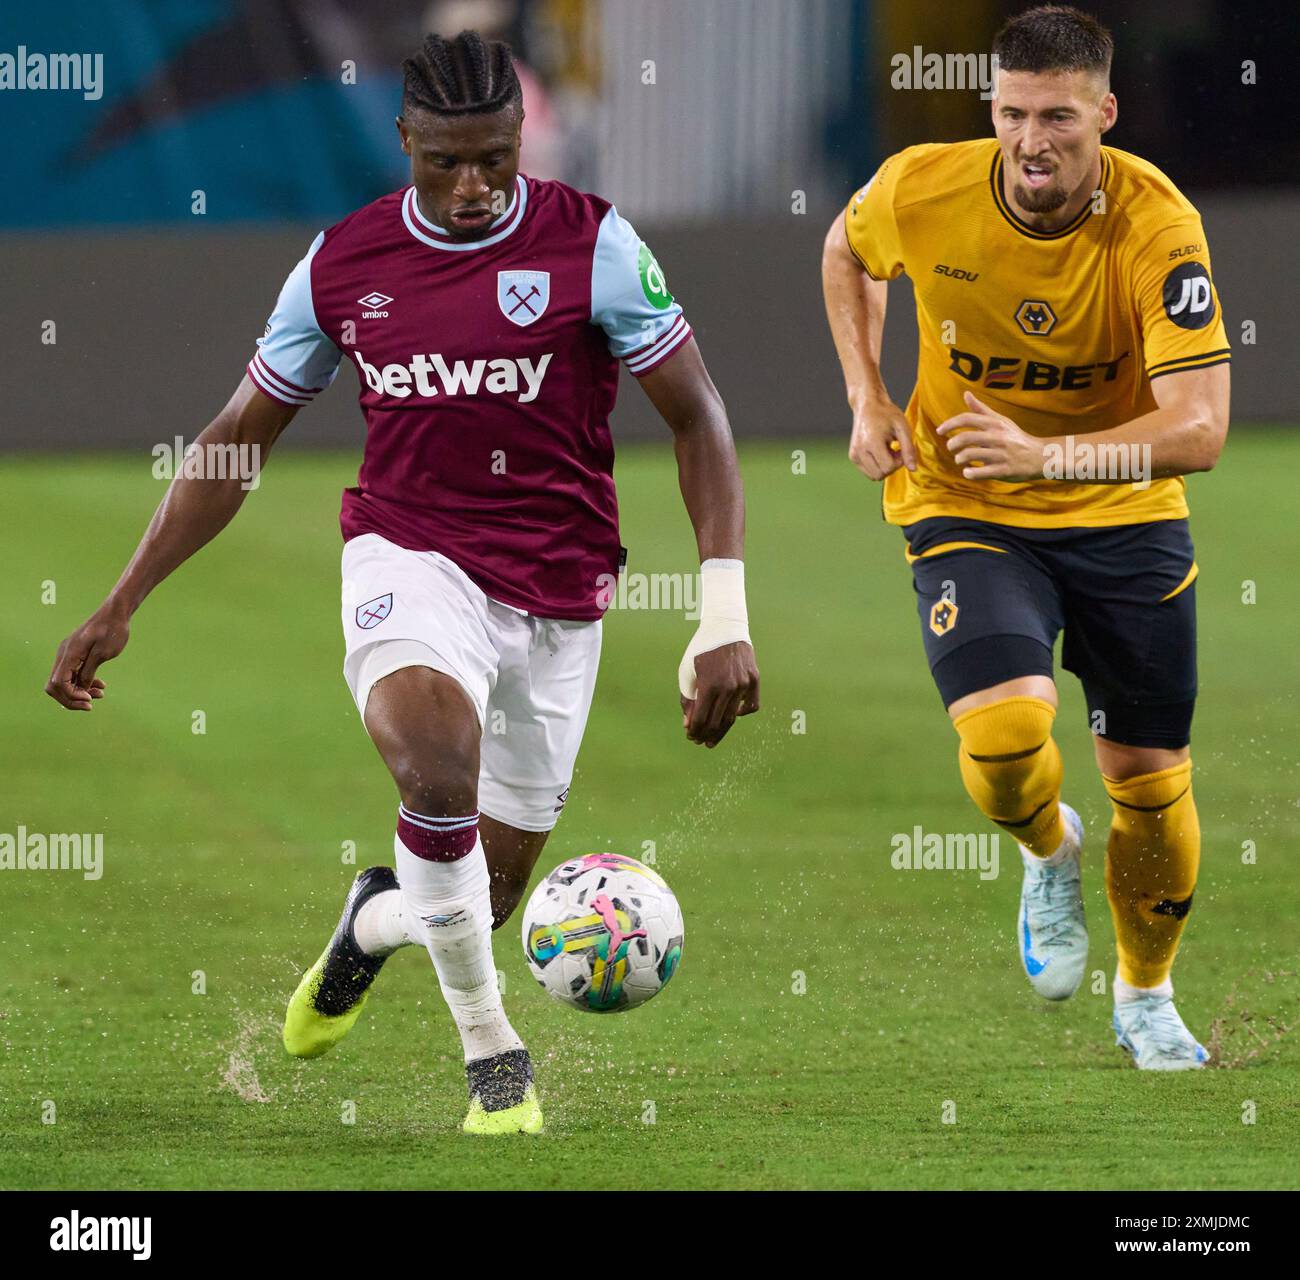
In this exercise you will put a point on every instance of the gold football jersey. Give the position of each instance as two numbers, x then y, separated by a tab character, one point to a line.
1061	331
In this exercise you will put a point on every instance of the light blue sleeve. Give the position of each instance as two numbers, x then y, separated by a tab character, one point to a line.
630	299
294	360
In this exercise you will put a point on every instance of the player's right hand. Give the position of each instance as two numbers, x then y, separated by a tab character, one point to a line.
881	441
73	682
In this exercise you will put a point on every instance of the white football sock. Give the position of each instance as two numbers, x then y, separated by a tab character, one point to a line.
1066	849
380	927
1125	993
446	905
1063	851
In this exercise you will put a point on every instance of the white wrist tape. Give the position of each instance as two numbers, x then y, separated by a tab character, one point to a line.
724	619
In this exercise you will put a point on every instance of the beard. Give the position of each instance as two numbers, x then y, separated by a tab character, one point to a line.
1040	199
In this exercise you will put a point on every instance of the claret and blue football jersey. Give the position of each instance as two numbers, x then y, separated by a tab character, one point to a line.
487	371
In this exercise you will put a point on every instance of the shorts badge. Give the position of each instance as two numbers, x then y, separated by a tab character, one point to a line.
943	617
373	612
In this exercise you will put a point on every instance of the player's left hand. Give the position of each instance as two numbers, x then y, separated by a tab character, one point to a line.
988	446
726	686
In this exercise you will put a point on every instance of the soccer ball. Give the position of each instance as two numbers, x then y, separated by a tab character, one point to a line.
603	933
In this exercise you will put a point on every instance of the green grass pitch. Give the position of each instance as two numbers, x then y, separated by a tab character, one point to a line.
224	854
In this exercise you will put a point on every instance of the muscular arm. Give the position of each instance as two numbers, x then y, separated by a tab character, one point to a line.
1182	435
193	511
855	310
1187	429
683	393
726	677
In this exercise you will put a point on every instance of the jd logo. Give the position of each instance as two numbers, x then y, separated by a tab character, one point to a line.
1035	317
943	617
1188	298
653	283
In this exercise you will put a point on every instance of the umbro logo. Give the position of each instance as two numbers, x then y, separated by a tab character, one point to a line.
375	303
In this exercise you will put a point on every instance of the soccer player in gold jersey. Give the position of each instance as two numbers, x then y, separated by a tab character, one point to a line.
1073	369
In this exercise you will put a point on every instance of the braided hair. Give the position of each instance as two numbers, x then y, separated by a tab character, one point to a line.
464	76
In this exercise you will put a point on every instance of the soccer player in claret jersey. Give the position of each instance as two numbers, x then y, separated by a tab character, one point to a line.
1073	369
486	314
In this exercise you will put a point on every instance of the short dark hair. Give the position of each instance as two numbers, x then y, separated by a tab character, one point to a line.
1054	37
464	76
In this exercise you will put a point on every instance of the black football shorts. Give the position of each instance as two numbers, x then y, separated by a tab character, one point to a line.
993	598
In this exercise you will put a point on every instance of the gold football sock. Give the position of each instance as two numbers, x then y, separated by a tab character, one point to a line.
1012	769
1151	862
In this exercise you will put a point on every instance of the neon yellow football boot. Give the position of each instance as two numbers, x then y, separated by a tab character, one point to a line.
502	1098
332	993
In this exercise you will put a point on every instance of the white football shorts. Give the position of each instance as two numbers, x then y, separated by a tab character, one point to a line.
530	679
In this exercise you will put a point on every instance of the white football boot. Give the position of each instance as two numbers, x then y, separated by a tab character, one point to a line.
1149	1027
1051	934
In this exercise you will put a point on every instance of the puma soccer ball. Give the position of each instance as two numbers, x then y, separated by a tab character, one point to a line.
603	933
